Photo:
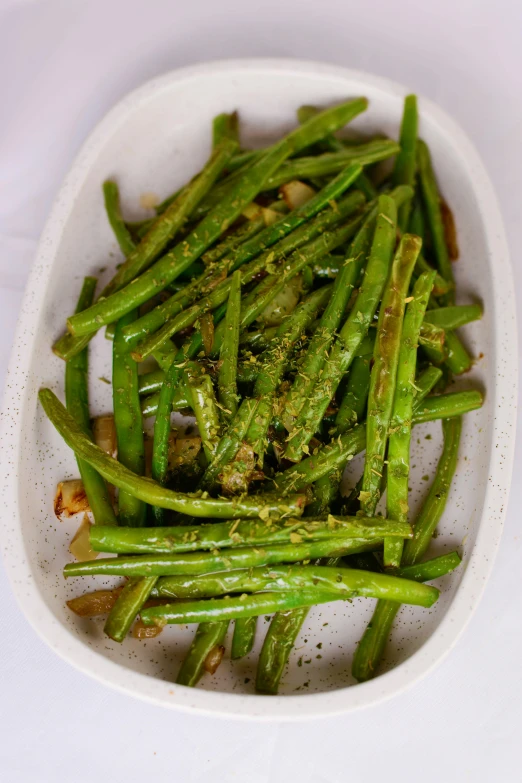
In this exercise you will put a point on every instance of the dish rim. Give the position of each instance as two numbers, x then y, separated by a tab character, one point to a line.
458	614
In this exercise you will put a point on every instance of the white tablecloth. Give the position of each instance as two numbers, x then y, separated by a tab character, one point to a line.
64	64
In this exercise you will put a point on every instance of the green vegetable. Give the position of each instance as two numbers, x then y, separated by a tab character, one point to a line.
149	491
400	428
431	198
111	195
127	606
404	169
255	533
128	423
371	646
194	563
225	126
77	401
350	583
203	402
244	637
227	377
214	224
352	333
450	318
275	242
345	447
209	636
384	370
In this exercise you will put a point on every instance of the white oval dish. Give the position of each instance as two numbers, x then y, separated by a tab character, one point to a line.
154	140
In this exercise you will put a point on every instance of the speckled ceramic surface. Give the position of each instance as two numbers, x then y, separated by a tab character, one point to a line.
154	140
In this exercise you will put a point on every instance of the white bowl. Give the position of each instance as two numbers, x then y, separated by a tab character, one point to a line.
154	140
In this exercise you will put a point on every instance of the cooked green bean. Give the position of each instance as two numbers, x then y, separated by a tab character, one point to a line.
149	491
111	195
345	447
353	331
220	535
128	423
193	563
227	376
127	606
351	583
371	647
170	266
404	169
209	636
400	426
77	401
244	637
276	241
432	203
450	318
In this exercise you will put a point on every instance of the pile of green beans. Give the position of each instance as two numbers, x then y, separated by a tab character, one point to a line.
296	335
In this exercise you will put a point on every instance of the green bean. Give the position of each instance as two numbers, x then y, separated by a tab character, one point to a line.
353	331
111	195
164	228
220	535
384	370
449	318
170	266
225	126
400	427
458	359
148	490
244	637
273	362
277	646
278	277
127	606
273	242
351	583
295	588
404	169
229	244
425	382
331	162
435	503
324	335
128	423
430	569
325	492
432	203
218	609
209	636
195	563
151	382
353	405
371	647
150	247
203	402
229	443
160	443
227	375
77	401
345	447
180	402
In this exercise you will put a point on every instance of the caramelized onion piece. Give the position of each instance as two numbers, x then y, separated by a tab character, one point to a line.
214	658
94	604
70	498
296	193
80	546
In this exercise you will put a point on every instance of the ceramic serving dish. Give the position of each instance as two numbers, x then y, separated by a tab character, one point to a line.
153	141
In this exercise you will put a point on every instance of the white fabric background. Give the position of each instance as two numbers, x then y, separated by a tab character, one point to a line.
62	66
